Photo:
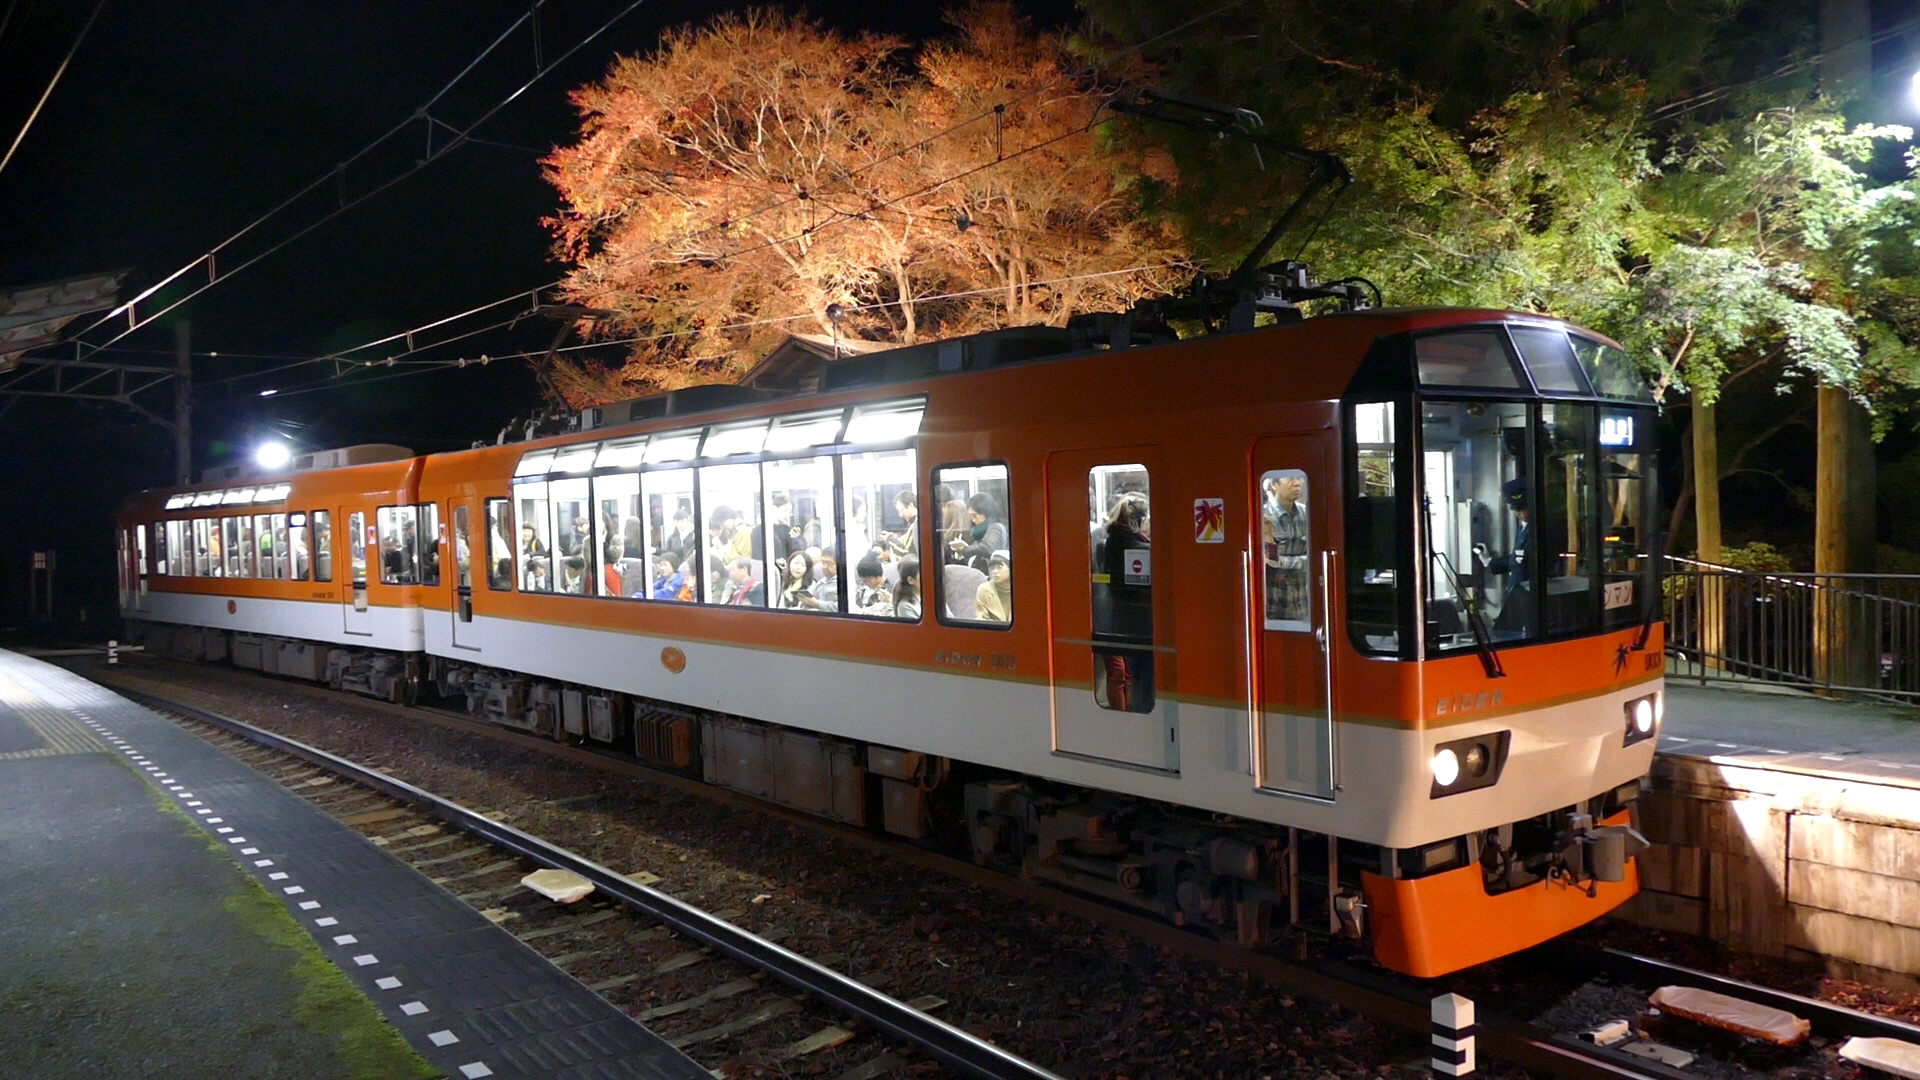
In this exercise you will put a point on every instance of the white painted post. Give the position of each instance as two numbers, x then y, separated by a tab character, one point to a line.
1452	1035
113	651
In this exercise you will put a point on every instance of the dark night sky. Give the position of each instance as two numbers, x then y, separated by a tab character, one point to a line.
181	122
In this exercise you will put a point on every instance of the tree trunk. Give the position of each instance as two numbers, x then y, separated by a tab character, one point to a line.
1843	534
1712	611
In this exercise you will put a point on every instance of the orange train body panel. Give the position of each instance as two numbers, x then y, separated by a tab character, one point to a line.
1446	922
1204	419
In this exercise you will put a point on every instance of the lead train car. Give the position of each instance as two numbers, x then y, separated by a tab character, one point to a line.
1342	623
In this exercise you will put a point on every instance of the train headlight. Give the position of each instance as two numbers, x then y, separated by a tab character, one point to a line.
1470	763
1643	716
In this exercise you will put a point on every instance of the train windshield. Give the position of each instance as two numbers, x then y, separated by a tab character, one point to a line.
1532	467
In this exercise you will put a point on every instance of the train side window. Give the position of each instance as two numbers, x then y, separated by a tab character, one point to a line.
462	551
1284	554
140	550
263	530
672	537
282	552
572	535
498	550
800	534
882	536
298	559
1120	551
206	548
159	547
620	563
975	544
357	546
237	544
1374	529
322	545
399	539
533	540
427	540
735	566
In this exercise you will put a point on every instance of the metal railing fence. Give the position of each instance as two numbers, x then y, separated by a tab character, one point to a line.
1855	635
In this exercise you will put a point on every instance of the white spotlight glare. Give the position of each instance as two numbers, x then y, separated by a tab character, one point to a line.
1446	768
1913	90
268	393
272	455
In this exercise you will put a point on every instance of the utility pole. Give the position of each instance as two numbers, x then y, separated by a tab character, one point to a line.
182	404
1844	519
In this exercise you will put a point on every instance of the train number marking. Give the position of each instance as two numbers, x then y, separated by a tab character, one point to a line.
1469	702
1000	661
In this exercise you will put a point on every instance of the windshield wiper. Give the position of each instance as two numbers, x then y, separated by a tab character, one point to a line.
1482	637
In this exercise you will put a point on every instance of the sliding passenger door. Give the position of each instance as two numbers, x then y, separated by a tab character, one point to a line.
1290	617
1110	626
466	632
355	613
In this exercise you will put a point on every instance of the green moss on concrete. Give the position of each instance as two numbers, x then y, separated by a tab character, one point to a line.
329	1005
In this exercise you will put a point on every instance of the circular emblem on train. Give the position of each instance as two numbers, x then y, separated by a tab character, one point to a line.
232	607
673	660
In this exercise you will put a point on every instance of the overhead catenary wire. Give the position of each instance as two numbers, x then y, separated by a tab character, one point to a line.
434	155
51	83
343	379
341	355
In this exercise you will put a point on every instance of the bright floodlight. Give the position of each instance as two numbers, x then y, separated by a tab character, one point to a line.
272	455
1914	89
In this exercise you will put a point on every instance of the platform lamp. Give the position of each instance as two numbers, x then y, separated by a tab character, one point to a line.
272	455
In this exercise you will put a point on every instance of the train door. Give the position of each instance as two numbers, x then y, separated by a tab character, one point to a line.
466	632
1290	617
142	561
1110	645
356	614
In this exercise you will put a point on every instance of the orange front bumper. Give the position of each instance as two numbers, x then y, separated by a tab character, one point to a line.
1445	922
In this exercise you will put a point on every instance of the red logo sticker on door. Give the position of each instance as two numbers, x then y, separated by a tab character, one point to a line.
232	607
1209	521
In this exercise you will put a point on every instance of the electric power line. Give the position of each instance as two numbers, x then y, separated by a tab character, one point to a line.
421	367
340	355
420	164
51	83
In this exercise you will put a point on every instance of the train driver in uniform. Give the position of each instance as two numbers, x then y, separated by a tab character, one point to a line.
1516	604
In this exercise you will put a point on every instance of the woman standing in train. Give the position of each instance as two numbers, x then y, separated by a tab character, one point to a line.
798	590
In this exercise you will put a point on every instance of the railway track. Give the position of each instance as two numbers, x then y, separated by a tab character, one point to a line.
749	978
1539	1048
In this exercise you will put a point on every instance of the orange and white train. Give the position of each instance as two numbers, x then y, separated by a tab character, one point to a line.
1345	622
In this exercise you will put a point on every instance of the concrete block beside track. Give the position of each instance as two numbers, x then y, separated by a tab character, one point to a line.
1781	860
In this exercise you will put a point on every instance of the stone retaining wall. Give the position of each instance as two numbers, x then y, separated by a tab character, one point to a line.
1784	863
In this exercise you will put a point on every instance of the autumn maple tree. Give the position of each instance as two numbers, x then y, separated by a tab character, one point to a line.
761	175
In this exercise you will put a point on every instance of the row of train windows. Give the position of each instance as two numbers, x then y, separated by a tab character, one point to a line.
826	534
281	547
833	533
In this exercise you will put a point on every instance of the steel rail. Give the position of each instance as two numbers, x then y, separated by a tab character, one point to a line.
1827	1018
1375	994
965	1053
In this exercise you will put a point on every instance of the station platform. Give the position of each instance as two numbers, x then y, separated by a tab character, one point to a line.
166	911
1781	728
1786	824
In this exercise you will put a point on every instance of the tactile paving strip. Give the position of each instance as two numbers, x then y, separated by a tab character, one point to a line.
61	733
469	996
